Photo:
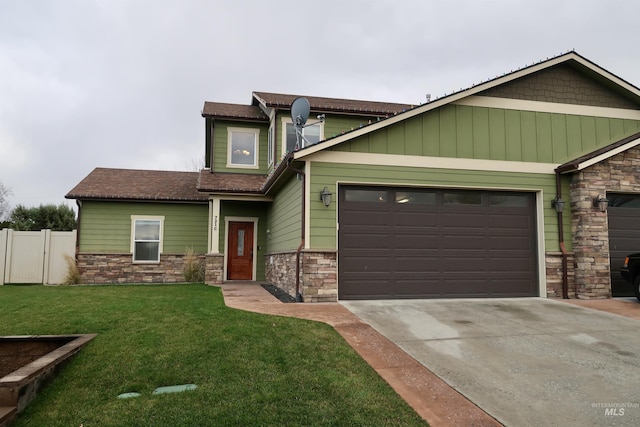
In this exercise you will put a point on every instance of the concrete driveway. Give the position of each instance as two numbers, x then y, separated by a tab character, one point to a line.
529	361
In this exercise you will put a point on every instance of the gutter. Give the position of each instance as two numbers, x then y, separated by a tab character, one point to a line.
565	280
302	228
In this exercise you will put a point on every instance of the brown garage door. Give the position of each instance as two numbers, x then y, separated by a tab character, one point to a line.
624	237
433	243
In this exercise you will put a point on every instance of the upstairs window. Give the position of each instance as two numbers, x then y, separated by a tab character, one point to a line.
243	148
312	134
146	238
271	139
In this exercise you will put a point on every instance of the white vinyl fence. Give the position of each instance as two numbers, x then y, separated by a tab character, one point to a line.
35	256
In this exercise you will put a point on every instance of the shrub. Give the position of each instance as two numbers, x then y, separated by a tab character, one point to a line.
73	276
193	269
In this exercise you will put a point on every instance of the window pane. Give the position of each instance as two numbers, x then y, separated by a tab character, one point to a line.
312	134
416	197
291	137
352	195
624	200
240	242
463	198
147	230
243	148
147	251
270	146
515	200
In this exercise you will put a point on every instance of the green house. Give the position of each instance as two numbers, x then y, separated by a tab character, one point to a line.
524	185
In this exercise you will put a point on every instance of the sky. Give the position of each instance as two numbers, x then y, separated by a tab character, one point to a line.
122	83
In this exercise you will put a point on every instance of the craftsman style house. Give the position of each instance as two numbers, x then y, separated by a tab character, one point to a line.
524	185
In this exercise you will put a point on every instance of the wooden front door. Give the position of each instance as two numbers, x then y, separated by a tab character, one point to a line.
240	251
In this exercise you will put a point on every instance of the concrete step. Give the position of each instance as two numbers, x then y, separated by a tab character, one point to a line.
7	415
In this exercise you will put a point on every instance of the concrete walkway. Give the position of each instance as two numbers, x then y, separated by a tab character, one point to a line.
427	394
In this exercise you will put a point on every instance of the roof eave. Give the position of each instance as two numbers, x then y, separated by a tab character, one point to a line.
448	99
599	155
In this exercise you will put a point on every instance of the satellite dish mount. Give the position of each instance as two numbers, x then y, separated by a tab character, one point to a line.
300	109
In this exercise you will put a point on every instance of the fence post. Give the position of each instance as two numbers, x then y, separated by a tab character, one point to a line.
4	236
45	258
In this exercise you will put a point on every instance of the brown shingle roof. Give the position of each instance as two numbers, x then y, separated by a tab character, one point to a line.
220	110
230	182
575	164
133	184
333	104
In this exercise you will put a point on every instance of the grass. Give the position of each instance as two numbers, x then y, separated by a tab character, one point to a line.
250	369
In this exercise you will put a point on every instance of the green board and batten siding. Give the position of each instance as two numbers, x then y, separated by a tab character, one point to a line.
460	131
106	226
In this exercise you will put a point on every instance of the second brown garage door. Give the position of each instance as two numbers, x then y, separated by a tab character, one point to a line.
624	237
433	243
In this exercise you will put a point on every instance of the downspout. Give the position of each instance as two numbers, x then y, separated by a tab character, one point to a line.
79	204
565	280
303	225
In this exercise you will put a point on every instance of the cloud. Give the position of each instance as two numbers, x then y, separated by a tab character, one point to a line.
120	83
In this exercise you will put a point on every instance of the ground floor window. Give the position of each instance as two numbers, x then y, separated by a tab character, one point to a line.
146	238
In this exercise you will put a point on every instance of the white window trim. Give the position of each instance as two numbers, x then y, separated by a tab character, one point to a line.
270	143
135	218
287	120
256	161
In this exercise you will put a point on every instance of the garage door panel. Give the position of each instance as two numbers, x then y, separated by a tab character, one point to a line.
367	240
516	222
510	241
415	242
465	220
416	219
373	289
416	265
438	250
368	263
463	242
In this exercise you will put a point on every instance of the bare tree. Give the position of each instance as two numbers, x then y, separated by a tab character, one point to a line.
5	208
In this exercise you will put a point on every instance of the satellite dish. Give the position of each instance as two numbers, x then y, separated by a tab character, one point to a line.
300	111
299	115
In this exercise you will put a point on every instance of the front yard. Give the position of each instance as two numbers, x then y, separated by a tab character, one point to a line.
249	369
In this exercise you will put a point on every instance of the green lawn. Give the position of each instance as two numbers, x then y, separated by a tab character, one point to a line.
250	369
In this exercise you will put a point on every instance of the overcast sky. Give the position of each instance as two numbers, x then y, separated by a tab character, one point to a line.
121	83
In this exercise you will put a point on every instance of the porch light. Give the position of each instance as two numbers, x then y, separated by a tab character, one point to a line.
558	204
601	202
325	196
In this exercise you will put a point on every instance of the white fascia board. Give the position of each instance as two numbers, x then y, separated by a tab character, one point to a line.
240	197
433	162
549	107
465	94
607	155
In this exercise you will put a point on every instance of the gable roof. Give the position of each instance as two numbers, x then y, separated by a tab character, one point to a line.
599	155
221	110
353	106
134	184
572	58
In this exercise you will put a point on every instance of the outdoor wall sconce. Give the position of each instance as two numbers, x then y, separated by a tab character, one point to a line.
601	202
325	196
558	204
